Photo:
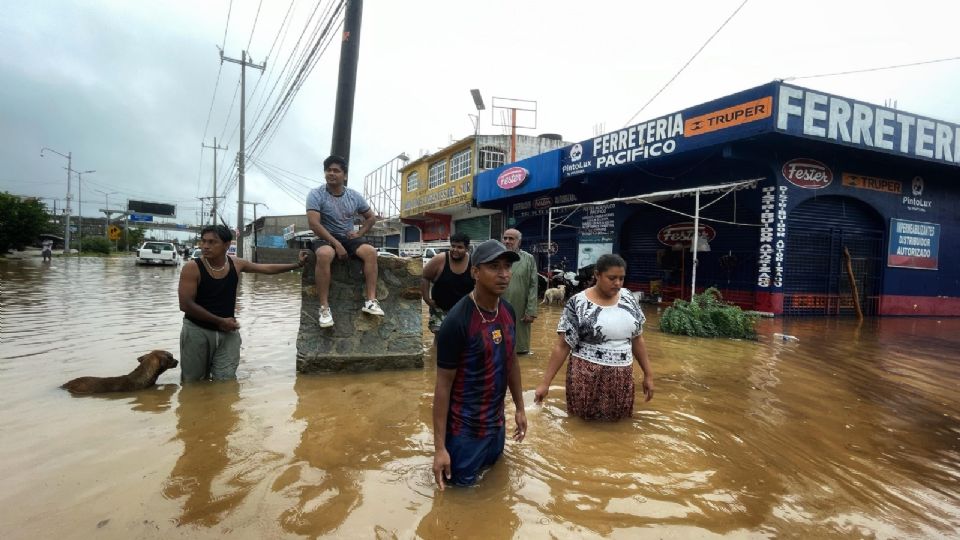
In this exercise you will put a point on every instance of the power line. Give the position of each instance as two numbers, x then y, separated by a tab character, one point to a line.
229	10
255	18
874	69
677	74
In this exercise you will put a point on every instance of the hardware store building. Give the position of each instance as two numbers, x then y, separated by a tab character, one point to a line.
799	177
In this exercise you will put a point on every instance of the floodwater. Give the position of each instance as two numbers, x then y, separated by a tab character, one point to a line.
851	431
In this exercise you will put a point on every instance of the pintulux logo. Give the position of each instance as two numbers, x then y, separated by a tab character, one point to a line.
807	173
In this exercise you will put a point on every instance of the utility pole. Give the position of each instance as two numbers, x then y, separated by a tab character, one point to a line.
254	227
347	80
243	105
213	211
66	234
80	209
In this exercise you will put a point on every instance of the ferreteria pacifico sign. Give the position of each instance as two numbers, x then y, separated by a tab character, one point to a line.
737	116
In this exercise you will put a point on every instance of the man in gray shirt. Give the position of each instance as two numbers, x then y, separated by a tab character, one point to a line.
330	212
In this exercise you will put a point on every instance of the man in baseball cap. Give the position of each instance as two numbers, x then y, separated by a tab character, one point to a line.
475	350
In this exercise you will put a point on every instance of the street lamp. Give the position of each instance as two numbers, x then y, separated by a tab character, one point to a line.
80	207
478	101
66	234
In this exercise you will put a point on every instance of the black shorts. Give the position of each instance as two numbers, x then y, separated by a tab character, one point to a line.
349	244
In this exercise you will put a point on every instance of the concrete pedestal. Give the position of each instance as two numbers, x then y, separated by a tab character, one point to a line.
358	341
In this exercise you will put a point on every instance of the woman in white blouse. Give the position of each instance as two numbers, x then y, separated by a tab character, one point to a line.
601	330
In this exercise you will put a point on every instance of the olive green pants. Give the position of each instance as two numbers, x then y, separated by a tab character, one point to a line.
208	354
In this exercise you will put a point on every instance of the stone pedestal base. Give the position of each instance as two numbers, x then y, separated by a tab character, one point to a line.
358	341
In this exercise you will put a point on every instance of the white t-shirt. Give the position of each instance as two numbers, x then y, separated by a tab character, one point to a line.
602	334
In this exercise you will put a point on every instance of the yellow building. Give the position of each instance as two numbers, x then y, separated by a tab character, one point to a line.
436	191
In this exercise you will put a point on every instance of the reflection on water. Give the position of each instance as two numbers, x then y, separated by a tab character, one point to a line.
851	430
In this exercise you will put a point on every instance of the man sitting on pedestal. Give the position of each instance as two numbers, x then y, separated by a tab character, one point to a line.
330	213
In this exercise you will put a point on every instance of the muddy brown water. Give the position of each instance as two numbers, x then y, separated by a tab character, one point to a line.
853	431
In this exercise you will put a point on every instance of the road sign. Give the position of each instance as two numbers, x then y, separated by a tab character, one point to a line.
114	232
140	217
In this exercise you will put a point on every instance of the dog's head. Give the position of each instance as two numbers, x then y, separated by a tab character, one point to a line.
562	289
164	360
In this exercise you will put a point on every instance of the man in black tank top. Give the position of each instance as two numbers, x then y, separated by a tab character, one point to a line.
209	341
449	275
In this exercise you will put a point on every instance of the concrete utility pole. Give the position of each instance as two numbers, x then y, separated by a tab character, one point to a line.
243	105
213	211
254	227
347	80
67	210
80	208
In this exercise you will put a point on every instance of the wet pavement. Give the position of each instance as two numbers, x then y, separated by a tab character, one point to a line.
849	431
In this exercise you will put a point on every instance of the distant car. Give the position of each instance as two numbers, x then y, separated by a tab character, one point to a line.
196	253
158	253
382	252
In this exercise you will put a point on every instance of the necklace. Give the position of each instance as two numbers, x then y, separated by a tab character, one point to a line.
482	318
211	267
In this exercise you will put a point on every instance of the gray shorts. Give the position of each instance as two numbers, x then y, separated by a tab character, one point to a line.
208	354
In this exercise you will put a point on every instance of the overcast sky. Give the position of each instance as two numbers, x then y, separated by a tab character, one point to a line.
126	86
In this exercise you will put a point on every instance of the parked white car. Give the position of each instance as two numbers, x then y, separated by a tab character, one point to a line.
430	252
158	253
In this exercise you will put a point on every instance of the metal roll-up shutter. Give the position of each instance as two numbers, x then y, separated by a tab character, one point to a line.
645	256
816	280
478	228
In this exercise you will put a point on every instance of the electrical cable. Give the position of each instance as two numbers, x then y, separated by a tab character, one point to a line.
677	74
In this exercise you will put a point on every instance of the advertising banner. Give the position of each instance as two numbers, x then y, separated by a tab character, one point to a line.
913	244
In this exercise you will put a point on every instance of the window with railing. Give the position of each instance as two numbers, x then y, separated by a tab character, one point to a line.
438	174
413	181
460	164
492	157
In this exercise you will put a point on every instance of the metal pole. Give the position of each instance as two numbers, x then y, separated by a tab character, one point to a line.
347	80
513	136
66	234
549	243
80	212
694	245
240	184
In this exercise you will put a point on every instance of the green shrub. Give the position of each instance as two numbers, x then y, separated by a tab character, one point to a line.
97	244
707	315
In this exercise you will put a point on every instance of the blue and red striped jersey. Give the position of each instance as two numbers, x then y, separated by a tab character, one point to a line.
483	355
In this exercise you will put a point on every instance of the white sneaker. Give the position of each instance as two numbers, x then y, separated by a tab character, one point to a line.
325	317
372	307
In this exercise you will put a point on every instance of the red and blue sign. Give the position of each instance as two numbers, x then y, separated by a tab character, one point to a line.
512	177
913	244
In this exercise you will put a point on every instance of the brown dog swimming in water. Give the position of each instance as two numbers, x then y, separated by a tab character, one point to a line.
151	366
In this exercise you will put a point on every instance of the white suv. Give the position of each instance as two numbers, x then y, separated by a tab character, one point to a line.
158	253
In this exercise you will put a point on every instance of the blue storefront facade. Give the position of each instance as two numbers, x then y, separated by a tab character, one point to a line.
826	175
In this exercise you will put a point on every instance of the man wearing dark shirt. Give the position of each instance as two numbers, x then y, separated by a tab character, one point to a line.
446	279
475	366
209	341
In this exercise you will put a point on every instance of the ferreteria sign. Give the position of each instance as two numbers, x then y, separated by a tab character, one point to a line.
736	116
770	108
853	123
